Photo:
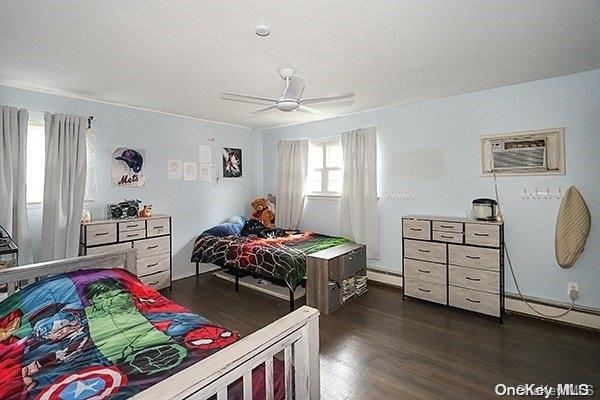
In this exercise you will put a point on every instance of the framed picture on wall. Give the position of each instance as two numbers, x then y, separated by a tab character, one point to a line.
128	169
232	162
190	171
175	170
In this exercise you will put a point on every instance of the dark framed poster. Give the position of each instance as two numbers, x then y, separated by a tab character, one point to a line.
232	162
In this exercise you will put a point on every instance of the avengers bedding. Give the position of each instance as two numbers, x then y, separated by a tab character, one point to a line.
103	334
282	256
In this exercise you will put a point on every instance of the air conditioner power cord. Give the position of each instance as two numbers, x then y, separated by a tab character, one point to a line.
573	294
512	272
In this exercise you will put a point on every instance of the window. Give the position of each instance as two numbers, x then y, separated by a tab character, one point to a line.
36	163
36	157
325	168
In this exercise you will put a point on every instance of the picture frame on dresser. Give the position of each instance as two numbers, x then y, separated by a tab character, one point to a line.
151	237
456	262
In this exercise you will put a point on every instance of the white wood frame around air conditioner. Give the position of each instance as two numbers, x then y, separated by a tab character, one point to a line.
555	151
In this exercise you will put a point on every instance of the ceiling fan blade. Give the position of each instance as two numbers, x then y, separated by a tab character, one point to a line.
246	96
294	87
263	109
308	110
323	99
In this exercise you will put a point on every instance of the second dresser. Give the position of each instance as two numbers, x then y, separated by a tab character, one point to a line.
150	236
454	261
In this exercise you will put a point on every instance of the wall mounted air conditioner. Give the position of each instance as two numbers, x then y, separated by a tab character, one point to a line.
524	153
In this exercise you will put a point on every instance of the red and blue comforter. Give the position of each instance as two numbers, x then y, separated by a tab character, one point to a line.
102	334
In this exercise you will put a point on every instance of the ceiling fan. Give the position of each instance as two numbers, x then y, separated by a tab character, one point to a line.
290	99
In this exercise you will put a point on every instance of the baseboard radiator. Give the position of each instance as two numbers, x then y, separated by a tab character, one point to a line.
587	317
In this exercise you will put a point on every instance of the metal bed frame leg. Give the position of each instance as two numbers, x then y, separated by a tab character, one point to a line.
291	300
197	268
237	281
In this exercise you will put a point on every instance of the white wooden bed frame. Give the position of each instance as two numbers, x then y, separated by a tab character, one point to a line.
296	335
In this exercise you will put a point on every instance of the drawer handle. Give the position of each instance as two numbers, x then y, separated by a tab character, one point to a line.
481	234
425	290
423	271
153	283
131	226
472	279
446	226
472	257
424	251
152	247
472	301
416	229
132	235
152	265
159	227
101	233
447	237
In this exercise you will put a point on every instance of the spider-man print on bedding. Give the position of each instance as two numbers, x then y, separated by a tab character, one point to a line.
282	257
103	334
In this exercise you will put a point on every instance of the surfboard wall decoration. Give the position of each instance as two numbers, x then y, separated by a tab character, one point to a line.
572	228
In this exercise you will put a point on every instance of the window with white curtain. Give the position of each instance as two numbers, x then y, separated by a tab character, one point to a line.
325	168
36	163
36	158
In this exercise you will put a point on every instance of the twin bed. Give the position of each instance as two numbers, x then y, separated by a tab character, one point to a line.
275	254
88	328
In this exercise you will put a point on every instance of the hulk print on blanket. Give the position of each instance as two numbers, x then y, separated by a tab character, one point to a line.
277	257
102	334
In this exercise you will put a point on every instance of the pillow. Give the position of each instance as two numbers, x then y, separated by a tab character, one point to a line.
252	227
239	220
232	227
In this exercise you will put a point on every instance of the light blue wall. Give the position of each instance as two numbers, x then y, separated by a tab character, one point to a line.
431	148
194	206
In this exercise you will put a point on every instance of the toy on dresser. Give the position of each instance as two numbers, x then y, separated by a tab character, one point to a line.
123	210
146	212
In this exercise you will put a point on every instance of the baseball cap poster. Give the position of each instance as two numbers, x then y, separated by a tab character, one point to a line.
128	169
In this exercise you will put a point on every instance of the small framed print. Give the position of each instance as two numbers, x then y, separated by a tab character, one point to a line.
175	170
232	162
205	172
205	153
190	171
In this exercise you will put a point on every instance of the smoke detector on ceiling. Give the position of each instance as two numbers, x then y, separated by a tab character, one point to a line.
262	29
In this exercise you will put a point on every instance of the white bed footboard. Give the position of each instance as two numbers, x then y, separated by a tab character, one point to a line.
296	334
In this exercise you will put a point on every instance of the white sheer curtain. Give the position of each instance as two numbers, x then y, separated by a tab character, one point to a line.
13	165
359	214
91	185
64	185
292	166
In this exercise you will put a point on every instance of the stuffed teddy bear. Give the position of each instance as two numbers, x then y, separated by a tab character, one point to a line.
262	213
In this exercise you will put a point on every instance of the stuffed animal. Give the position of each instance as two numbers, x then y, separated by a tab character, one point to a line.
262	213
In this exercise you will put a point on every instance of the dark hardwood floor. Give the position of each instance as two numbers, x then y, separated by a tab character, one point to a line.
380	347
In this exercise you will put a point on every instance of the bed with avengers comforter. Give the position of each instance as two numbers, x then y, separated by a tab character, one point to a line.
271	253
99	334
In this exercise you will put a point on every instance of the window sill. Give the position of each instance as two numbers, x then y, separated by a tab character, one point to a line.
324	196
31	206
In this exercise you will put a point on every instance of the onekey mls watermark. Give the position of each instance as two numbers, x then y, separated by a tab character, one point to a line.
546	391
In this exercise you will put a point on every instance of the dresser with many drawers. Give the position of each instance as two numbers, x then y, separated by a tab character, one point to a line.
150	236
457	262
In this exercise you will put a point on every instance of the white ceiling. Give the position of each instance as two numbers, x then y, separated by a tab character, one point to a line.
177	56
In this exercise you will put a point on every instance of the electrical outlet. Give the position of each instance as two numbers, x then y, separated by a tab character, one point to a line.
573	287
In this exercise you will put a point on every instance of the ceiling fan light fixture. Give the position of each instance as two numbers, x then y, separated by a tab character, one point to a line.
287	104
